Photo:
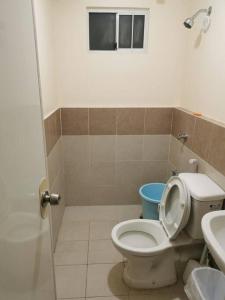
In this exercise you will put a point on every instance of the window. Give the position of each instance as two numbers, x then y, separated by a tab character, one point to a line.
117	30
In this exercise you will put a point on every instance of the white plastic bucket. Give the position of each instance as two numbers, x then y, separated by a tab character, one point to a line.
205	284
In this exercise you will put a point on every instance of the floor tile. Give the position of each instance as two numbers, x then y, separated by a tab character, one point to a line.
103	251
70	281
71	253
105	280
104	275
74	231
157	295
101	213
101	230
174	292
71	299
128	212
109	298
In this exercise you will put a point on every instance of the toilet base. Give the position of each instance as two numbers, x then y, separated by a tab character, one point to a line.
141	274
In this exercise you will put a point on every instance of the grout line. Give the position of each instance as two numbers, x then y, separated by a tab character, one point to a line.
169	149
117	113
145	114
88	121
171	121
60	117
116	296
89	226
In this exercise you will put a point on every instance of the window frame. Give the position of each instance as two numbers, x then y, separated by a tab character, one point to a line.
118	12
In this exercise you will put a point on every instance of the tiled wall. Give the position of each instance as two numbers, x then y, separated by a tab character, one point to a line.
110	152
206	142
116	121
53	137
108	169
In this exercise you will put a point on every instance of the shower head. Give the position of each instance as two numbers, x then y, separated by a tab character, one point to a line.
189	22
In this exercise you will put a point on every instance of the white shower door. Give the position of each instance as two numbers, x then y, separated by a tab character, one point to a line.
26	268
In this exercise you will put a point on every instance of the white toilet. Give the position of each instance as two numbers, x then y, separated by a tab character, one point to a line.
149	245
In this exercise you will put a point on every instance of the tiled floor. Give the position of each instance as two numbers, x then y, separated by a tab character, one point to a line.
86	263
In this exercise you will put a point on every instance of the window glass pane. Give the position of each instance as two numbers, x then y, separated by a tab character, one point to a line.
102	31
125	31
138	31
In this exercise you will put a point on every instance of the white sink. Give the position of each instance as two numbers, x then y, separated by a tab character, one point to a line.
213	227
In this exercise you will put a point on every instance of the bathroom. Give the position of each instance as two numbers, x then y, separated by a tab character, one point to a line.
85	121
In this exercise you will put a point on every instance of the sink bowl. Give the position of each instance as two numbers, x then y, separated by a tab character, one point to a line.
213	227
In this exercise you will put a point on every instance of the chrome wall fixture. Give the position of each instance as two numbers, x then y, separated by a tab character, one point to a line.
182	136
189	22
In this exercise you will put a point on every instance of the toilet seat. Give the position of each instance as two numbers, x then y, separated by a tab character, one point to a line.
150	237
175	207
140	237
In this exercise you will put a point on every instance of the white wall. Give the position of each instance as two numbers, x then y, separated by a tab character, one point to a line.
44	10
204	89
109	79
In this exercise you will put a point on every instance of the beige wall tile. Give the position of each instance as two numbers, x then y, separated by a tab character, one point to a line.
127	194
77	194
74	121
180	155
206	168
55	161
183	122
105	280
158	120
102	148
57	211
102	195
201	137
129	172
52	128
217	148
130	121
129	147
156	147
108	182
154	171
102	121
76	148
77	173
70	281
102	173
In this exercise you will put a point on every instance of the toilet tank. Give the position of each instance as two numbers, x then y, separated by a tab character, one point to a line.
206	196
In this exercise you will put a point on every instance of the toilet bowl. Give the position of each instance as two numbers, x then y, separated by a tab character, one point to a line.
150	245
145	245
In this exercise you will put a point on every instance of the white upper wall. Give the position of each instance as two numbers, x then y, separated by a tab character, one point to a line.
87	79
43	22
204	89
180	68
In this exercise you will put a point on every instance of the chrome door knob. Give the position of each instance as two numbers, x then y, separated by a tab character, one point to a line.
52	199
